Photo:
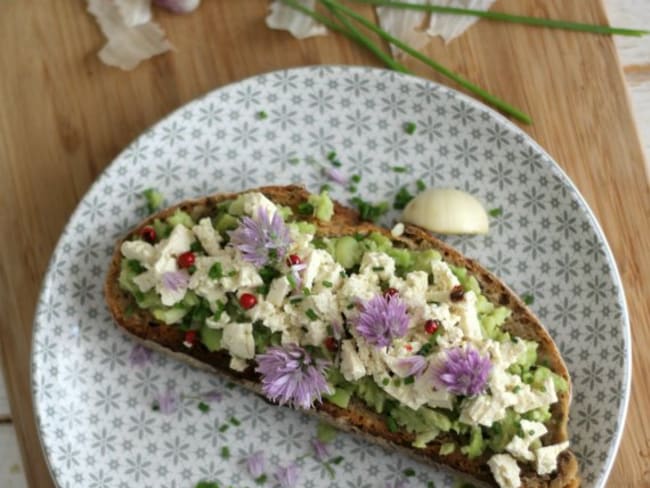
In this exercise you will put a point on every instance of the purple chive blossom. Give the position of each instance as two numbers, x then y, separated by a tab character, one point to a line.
320	449
295	274
139	356
255	464
262	239
287	476
175	280
464	371
167	402
291	376
336	176
382	319
412	366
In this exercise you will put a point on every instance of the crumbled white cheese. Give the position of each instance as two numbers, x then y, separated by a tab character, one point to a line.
238	339
145	281
315	332
547	457
238	364
519	446
314	261
358	288
482	410
224	320
505	470
443	282
325	305
378	263
418	393
330	273
414	291
278	290
530	399
371	358
397	230
202	284
208	236
352	367
140	251
466	310
254	201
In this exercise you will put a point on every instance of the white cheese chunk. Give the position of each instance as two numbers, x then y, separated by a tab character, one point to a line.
315	260
414	291
371	358
141	251
469	322
529	399
278	290
325	305
315	332
253	201
505	470
208	236
224	320
145	281
329	272
547	457
482	410
358	288
519	446
238	364
238	339
352	367
179	241
378	263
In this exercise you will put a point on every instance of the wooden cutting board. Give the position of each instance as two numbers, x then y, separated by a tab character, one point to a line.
64	116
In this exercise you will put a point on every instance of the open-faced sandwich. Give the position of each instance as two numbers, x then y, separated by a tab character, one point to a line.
393	335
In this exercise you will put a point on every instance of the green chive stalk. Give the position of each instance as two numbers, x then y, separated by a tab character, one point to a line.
516	19
468	85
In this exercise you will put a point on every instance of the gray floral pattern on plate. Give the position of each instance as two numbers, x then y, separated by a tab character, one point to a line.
94	402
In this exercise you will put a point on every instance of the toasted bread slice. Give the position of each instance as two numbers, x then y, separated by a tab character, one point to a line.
358	418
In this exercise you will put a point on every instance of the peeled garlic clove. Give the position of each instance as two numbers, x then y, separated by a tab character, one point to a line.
178	6
447	211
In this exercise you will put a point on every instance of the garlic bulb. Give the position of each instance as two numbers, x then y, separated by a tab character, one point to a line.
447	211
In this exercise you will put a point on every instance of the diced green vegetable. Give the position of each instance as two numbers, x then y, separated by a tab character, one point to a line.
169	315
285	212
423	438
323	206
226	222
154	199
325	432
447	448
180	218
422	259
340	397
476	444
151	299
347	252
373	396
502	432
211	338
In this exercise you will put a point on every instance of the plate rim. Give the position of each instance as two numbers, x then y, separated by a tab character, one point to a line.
608	464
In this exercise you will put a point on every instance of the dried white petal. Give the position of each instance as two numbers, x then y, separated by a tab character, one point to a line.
283	17
134	12
450	26
406	25
126	46
178	6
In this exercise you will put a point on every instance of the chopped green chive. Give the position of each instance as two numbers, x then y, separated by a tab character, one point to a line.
295	299
421	185
325	188
292	281
431	484
262	115
261	479
391	424
327	284
331	156
196	247
207	484
378	268
154	199
356	178
135	266
352	188
496	212
399	169
305	208
311	314
191	269
232	273
225	452
409	128
337	460
528	299
224	428
409	380
293	161
385	381
306	291
397	382
216	271
409	472
369	211
402	198
235	421
204	407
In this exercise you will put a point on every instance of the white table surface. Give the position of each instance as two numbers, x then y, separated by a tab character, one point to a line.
635	58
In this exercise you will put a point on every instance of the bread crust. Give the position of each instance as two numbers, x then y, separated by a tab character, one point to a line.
358	418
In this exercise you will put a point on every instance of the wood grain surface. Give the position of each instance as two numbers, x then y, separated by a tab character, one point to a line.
65	116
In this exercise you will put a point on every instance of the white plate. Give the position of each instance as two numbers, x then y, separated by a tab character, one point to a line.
94	407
